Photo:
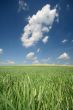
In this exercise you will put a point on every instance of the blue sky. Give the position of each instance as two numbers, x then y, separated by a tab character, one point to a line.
36	31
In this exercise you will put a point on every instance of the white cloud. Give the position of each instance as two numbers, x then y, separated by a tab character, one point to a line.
45	40
64	41
1	51
10	62
45	60
36	61
38	50
64	56
72	40
38	25
31	56
22	6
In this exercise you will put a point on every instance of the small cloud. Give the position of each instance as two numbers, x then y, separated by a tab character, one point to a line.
38	50
11	62
1	51
31	56
25	62
22	6
45	40
43	21
72	41
64	41
8	62
64	56
68	6
36	61
45	60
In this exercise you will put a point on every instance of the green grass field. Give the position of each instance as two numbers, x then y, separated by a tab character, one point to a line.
36	88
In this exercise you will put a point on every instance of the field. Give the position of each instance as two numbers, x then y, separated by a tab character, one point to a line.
36	88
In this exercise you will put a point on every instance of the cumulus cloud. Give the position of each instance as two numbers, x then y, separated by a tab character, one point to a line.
22	5
1	51
38	25
64	41
64	56
45	40
32	57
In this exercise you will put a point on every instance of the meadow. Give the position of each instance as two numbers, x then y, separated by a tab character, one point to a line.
36	88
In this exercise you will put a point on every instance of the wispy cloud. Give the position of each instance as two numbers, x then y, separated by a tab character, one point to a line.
36	61
45	60
64	41
68	6
38	50
64	56
8	62
22	6
43	21
1	51
11	62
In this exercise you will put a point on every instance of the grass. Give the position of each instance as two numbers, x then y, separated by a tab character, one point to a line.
36	88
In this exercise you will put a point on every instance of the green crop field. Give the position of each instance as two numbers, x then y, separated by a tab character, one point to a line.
36	88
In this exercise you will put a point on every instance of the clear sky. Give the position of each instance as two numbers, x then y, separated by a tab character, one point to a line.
36	31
